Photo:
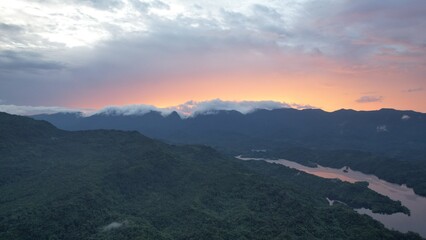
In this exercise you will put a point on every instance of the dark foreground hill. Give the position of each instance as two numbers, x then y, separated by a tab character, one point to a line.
121	185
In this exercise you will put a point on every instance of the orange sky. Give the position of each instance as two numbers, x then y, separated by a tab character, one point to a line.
331	92
362	55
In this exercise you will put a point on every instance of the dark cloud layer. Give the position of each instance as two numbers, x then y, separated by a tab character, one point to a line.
25	61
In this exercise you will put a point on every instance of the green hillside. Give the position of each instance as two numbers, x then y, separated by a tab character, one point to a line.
122	185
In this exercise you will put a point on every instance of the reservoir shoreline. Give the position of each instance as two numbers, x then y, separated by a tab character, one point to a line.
416	222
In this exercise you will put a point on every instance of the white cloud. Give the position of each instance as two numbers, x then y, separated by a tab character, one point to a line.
405	117
187	109
67	24
74	23
34	110
193	107
139	109
114	225
382	128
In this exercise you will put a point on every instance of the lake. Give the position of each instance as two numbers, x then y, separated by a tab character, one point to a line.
416	222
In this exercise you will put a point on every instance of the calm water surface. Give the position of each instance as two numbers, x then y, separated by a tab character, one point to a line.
416	222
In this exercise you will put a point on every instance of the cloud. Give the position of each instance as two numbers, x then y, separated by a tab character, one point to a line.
192	108
135	109
34	110
202	107
405	117
145	7
11	28
22	61
114	225
101	4
369	99
89	45
411	90
187	109
381	128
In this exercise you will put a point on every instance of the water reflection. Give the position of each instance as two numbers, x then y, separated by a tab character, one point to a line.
416	222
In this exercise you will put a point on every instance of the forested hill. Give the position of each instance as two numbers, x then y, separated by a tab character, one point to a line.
388	143
103	184
399	134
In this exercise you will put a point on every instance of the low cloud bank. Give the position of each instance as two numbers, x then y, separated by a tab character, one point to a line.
128	110
34	110
114	225
188	109
193	108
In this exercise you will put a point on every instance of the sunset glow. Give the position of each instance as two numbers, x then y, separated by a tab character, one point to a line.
361	55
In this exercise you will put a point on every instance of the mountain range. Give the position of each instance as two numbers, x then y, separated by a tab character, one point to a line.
389	132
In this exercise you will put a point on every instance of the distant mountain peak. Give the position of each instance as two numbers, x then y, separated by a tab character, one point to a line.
174	115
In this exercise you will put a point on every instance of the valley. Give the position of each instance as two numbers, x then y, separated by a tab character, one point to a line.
108	184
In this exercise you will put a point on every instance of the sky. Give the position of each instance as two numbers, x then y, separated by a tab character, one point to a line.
61	55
